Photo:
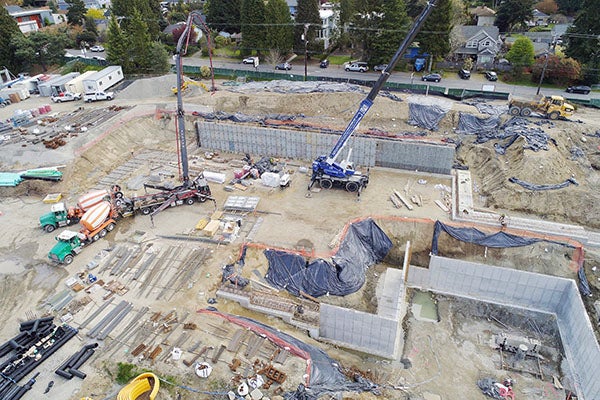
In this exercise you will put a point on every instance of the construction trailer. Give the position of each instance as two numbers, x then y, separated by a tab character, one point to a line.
56	85
104	79
31	84
19	91
75	85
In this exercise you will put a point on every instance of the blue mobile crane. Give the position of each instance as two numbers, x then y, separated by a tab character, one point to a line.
325	169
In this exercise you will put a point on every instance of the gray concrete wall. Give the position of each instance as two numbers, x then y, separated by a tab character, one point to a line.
305	145
528	290
362	331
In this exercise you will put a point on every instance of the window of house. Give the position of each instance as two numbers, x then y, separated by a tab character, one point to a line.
472	44
487	43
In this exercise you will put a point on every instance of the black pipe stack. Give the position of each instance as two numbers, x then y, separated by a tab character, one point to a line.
69	368
38	339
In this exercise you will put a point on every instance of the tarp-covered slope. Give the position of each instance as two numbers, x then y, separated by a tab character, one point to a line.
363	245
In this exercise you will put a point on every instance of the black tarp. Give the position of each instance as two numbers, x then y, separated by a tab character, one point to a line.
425	116
533	186
500	240
363	245
472	125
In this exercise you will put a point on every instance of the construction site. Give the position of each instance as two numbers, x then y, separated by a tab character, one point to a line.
460	262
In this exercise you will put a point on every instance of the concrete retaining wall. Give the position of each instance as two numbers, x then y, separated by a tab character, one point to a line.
305	145
528	290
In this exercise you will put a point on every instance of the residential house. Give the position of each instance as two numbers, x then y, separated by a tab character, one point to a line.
292	5
30	20
542	41
485	16
480	43
328	15
539	19
97	4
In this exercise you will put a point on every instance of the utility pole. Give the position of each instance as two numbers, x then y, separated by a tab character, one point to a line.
305	38
542	75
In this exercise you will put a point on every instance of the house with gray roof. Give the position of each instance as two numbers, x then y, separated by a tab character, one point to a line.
480	43
485	16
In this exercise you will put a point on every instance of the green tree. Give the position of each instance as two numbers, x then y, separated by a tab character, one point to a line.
148	9
307	14
8	30
22	53
253	26
434	36
583	40
90	25
139	43
521	54
40	48
117	51
569	7
279	32
158	59
513	14
224	15
76	12
391	31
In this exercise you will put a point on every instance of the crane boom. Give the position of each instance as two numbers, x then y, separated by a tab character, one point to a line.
179	52
366	104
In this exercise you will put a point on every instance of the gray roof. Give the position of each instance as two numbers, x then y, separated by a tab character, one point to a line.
468	31
538	13
13	9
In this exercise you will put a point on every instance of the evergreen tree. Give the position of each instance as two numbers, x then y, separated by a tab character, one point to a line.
76	12
583	40
148	9
280	30
158	58
307	13
139	43
224	15
569	7
253	26
392	30
414	7
434	35
23	53
513	13
118	46
90	25
8	30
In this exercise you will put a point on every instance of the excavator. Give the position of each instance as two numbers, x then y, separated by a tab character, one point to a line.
185	86
326	169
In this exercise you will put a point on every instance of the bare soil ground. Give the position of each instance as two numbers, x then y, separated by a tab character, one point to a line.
290	219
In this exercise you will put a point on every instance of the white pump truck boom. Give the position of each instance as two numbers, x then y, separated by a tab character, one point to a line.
326	170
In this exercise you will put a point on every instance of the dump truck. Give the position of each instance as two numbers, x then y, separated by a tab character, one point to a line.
60	215
96	222
551	107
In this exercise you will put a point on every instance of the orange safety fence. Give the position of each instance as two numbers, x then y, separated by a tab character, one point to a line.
574	265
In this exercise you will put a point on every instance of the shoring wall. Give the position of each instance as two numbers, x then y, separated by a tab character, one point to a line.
306	145
523	289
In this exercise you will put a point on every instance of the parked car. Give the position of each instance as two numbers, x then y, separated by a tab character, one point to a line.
431	78
248	60
96	96
97	49
380	67
464	73
357	67
579	89
66	96
324	63
284	66
491	76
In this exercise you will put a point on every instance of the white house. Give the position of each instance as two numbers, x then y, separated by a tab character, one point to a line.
480	43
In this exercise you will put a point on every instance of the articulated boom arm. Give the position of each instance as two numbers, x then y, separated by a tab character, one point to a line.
179	52
366	104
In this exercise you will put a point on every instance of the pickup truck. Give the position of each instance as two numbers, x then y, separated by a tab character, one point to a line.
66	96
89	97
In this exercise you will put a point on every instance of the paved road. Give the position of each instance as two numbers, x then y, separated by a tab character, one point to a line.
451	79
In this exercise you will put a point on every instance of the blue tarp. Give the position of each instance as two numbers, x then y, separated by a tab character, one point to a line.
365	244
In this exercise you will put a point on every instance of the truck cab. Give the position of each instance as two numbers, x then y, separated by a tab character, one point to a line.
69	244
59	216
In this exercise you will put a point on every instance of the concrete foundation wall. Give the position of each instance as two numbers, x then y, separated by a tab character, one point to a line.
305	145
528	290
366	332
